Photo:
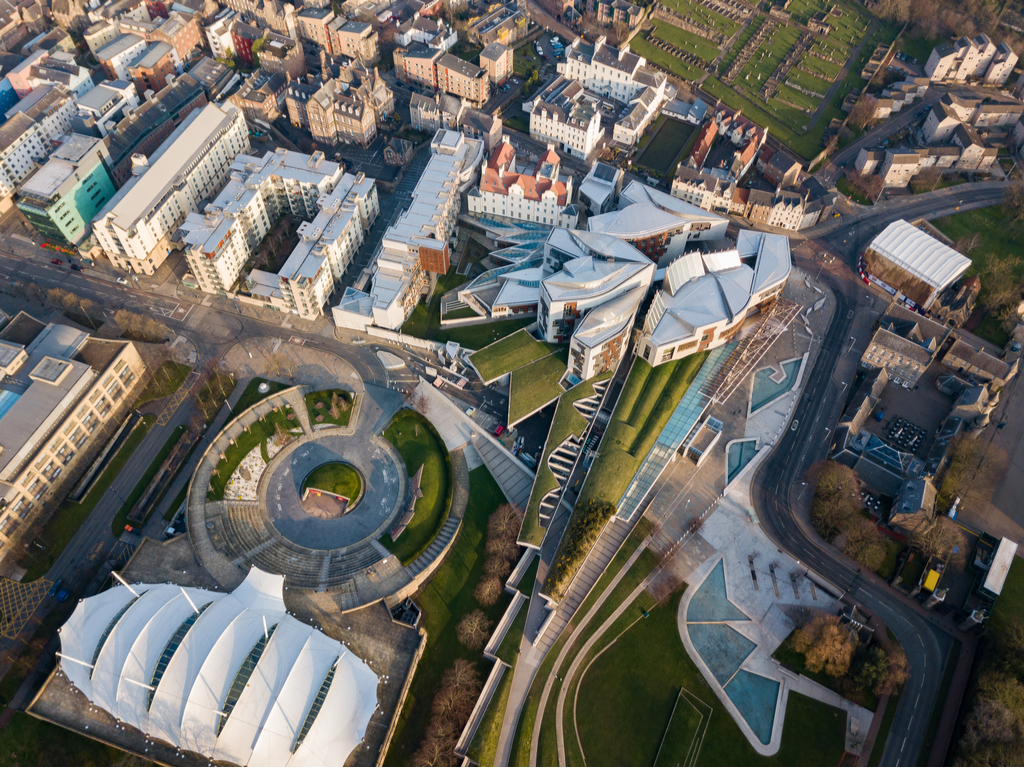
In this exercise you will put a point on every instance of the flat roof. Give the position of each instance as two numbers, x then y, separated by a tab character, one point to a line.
996	576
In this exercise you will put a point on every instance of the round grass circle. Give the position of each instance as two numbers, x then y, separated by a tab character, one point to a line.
338	478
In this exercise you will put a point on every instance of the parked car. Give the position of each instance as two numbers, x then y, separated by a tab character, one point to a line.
76	267
499	430
63	595
56	587
58	262
470	411
122	281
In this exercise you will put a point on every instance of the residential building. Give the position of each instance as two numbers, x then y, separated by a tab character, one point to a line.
480	125
354	39
261	98
496	60
145	129
599	191
973	59
335	117
103	107
637	116
658	225
619	12
736	153
978	364
311	23
218	34
463	79
214	77
23	146
911	264
613	73
116	57
502	23
61	199
50	68
974	156
243	37
904	344
418	243
542	195
560	113
338	208
707	192
135	228
180	31
150	71
417	64
899	166
783	208
282	55
63	394
337	91
428	31
706	297
100	34
429	114
869	160
778	168
939	124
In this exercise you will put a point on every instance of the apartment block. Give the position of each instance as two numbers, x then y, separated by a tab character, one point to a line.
614	73
976	59
496	60
510	190
463	79
99	110
63	394
116	57
50	107
282	55
418	64
560	113
150	71
61	199
505	24
135	228
22	144
261	98
354	39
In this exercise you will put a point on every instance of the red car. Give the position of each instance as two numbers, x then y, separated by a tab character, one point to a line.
499	430
128	529
58	262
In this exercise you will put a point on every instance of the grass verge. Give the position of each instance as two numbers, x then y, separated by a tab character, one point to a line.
121	518
445	599
166	380
68	518
252	395
419	445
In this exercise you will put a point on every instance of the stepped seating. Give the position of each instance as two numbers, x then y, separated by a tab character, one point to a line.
436	547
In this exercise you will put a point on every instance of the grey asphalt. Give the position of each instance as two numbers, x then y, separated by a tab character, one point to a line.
374	513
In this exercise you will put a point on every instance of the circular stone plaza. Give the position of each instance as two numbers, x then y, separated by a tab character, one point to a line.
266	495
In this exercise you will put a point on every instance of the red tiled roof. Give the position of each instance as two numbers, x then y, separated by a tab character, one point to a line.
533	188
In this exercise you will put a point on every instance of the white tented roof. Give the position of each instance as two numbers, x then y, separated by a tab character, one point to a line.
920	254
996	576
232	676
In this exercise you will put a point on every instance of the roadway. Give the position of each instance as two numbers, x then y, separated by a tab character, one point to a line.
924	640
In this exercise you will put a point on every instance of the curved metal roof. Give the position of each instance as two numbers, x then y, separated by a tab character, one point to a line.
920	254
229	676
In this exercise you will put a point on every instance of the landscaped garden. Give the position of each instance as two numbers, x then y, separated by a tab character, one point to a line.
282	420
511	352
535	385
337	478
445	600
330	406
566	421
663	148
425	320
633	686
420	446
252	395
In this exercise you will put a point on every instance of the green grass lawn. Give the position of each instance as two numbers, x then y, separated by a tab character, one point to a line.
997	240
511	352
252	395
774	48
323	400
121	518
29	741
632	687
664	147
704	15
825	69
68	518
535	385
686	41
919	48
1010	605
685	70
166	380
566	421
749	31
485	742
420	445
338	478
648	399
799	98
892	552
446	598
525	583
517	121
255	435
480	335
214	393
843	185
425	320
804	80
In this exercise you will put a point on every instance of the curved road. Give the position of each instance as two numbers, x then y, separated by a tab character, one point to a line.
926	645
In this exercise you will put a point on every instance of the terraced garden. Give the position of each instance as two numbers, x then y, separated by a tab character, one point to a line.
703	15
685	41
683	69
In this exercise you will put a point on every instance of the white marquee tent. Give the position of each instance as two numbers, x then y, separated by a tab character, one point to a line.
229	676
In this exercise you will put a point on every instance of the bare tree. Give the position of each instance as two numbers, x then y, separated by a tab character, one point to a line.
1013	207
1000	278
942	539
826	644
473	630
488	590
863	113
968	243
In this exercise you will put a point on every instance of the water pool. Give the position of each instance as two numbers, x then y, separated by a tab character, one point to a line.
766	391
711	602
739	455
755	697
722	648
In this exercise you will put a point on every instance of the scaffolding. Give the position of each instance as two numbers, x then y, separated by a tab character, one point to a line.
752	347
